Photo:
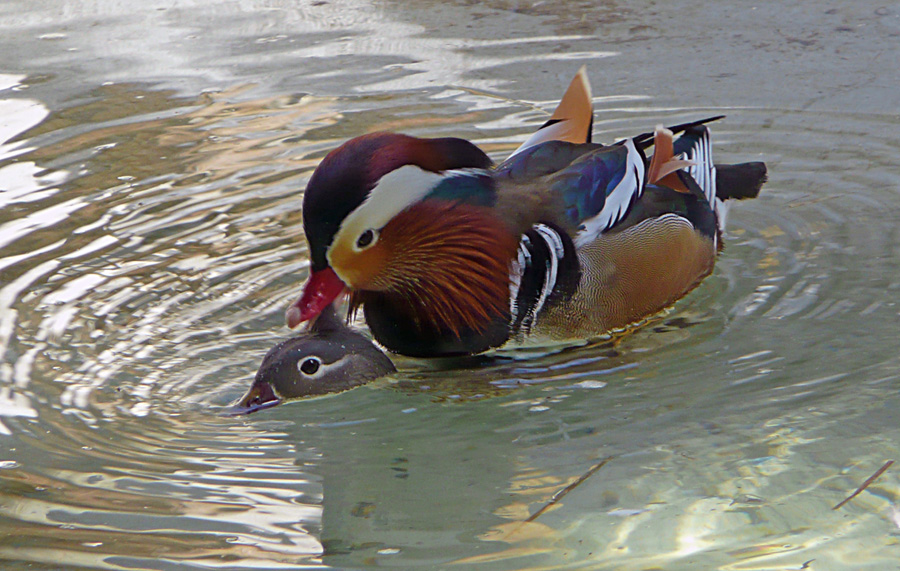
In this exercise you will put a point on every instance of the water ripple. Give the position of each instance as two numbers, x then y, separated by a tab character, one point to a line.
150	235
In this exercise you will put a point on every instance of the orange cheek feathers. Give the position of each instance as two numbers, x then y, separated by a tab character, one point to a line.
361	270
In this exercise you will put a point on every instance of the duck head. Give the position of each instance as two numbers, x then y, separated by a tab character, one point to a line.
406	222
329	358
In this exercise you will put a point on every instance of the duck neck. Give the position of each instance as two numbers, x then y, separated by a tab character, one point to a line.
446	287
401	327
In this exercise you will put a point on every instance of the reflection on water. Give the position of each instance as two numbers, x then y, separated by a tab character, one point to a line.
151	161
191	493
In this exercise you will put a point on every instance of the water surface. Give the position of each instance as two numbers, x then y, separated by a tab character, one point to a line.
152	161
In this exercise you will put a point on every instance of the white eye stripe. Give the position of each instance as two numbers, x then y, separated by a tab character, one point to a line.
324	368
393	194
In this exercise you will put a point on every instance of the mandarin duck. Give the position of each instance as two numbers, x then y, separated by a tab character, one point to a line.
448	255
328	358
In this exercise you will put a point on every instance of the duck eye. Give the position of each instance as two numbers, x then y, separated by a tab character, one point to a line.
310	366
365	239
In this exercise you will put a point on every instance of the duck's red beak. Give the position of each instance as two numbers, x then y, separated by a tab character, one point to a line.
320	290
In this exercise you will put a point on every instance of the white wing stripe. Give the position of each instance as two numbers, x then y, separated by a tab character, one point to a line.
704	170
556	249
617	202
516	271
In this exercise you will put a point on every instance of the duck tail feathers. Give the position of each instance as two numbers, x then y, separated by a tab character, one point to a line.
741	181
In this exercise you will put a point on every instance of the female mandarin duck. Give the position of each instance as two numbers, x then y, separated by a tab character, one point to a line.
328	358
565	239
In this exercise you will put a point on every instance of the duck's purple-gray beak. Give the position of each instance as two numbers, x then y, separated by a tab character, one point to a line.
259	397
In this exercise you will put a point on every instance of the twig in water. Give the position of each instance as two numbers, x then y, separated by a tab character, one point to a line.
865	484
562	493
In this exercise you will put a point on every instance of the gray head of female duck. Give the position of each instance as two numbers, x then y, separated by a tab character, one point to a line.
328	358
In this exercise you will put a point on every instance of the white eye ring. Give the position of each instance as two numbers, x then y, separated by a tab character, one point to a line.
366	240
309	366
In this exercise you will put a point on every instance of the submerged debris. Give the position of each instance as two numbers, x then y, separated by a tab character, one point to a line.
562	493
865	484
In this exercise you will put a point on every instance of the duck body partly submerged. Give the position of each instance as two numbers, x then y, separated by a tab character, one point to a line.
565	239
328	358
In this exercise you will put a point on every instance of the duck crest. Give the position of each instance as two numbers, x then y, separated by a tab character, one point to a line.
347	175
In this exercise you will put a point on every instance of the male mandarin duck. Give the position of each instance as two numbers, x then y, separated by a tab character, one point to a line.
328	358
565	239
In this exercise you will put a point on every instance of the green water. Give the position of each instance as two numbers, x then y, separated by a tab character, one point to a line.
152	161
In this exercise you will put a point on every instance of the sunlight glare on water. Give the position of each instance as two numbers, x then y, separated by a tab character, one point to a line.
152	162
